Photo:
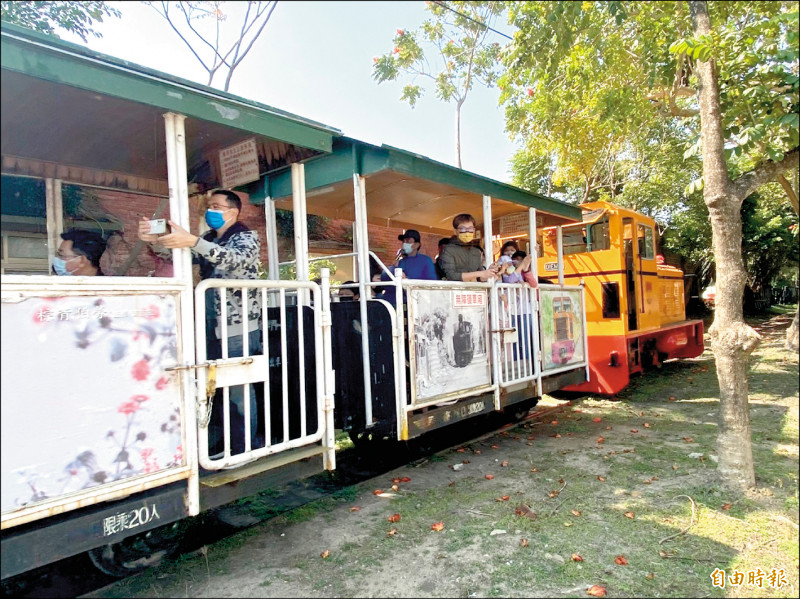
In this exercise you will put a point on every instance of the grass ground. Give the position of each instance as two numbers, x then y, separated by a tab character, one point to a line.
620	494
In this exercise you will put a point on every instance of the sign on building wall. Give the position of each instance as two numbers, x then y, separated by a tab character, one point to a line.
239	164
516	224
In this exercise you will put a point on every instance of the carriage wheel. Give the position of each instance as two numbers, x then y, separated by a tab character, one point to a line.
520	410
136	553
363	440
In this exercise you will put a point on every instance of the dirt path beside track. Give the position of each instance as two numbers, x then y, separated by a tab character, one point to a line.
543	508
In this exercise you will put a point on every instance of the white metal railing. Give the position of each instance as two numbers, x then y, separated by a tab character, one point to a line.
238	374
517	333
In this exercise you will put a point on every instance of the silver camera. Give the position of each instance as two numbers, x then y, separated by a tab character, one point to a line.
158	226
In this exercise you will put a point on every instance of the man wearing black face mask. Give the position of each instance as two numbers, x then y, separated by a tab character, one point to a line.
228	251
349	294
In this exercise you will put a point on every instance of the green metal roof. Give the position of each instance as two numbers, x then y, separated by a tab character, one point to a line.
51	59
403	189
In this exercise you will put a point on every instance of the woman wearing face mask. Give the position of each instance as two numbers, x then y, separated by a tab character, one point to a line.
461	259
509	248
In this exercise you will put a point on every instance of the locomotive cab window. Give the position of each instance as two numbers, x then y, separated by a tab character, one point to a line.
598	235
573	240
646	245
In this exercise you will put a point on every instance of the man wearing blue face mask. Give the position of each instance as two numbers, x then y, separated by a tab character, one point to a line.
228	251
414	264
79	254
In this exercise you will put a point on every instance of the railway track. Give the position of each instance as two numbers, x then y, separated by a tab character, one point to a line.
76	576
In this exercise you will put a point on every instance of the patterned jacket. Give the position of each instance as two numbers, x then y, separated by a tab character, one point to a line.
235	255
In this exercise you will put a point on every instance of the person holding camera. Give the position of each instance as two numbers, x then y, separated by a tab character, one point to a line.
230	250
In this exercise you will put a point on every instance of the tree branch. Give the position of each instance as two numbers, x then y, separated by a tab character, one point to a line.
237	45
765	173
258	33
202	39
165	14
255	37
790	192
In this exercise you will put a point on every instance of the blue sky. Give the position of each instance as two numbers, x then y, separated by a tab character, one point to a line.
314	59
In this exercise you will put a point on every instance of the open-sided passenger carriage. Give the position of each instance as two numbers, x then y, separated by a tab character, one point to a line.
107	388
468	353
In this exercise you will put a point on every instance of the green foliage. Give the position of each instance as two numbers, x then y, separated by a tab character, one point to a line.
755	46
456	42
46	17
585	79
768	244
573	93
450	50
591	89
289	271
317	225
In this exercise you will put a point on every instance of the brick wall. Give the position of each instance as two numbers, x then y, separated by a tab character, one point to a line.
129	207
383	240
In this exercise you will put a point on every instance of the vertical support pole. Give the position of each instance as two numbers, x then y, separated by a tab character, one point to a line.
532	236
488	258
488	253
400	364
329	438
585	332
534	294
495	342
272	234
362	250
300	228
55	218
175	139
560	242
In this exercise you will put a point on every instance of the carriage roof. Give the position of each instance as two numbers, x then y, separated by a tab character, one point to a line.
84	109
406	190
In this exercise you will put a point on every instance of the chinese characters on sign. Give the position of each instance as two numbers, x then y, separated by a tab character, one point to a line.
776	578
127	520
239	164
462	299
46	314
516	224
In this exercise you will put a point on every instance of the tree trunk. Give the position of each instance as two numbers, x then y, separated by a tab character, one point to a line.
791	192
458	133
732	340
792	334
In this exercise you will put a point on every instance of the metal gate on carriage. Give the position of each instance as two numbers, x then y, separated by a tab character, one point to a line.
270	390
538	331
516	333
